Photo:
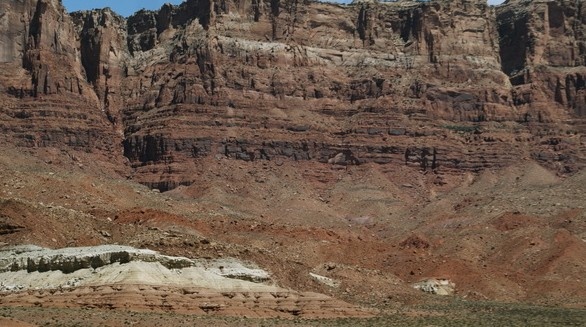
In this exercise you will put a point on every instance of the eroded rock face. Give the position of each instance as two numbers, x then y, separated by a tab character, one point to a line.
104	52
439	85
143	278
69	260
543	50
46	98
321	82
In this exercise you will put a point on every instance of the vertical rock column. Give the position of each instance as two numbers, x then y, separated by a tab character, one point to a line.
104	52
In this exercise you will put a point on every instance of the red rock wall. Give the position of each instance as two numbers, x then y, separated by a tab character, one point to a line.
46	99
441	85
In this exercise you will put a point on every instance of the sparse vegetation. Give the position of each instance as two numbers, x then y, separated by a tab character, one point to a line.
449	313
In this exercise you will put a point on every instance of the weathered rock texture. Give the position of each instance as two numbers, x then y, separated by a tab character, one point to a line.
440	85
128	278
543	50
45	95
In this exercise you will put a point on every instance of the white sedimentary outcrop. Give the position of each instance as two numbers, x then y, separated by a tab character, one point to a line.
31	267
438	286
325	280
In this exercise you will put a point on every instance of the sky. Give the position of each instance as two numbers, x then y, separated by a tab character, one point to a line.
128	7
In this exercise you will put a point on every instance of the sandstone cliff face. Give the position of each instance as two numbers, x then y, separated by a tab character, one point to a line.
104	52
440	85
46	100
38	35
544	51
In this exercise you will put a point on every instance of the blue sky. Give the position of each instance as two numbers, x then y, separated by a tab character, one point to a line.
128	7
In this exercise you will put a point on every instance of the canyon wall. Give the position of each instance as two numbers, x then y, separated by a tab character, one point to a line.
46	99
445	86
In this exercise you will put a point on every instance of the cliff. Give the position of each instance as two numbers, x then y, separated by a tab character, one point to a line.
46	98
543	51
448	86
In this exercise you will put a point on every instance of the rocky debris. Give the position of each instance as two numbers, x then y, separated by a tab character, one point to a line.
507	227
436	286
232	269
6	227
415	242
325	280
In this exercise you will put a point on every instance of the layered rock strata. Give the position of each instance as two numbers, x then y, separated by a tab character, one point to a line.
442	85
119	277
46	98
